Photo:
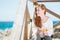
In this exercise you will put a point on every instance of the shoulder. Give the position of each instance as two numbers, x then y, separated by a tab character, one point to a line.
49	20
48	24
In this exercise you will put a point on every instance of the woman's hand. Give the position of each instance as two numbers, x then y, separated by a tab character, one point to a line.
45	33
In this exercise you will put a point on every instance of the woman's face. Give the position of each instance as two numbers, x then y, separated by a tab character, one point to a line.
40	12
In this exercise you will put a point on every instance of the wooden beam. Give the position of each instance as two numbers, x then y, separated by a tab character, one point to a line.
56	25
53	13
45	0
48	0
27	17
33	0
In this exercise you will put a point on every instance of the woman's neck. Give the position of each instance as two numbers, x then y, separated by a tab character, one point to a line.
44	19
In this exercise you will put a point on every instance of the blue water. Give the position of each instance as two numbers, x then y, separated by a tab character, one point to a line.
4	25
54	22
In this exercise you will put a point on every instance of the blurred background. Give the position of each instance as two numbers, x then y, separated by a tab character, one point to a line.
9	8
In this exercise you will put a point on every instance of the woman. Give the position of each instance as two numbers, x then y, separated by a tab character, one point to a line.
42	24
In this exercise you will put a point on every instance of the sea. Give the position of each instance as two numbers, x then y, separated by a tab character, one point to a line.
9	24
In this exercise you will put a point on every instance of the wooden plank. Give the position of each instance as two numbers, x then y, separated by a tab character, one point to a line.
33	0
45	0
27	17
48	0
56	25
53	13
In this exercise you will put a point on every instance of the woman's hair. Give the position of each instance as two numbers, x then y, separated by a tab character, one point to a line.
42	6
35	3
37	19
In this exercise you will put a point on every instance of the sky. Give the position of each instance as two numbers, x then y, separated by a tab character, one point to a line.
8	9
